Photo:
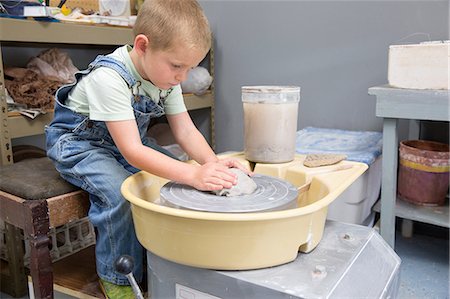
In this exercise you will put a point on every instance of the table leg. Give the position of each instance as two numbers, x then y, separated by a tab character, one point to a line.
414	129
413	133
389	180
407	228
37	229
15	283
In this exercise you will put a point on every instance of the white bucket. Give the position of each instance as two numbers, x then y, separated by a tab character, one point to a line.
270	122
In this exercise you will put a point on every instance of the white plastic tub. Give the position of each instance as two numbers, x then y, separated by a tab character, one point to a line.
355	204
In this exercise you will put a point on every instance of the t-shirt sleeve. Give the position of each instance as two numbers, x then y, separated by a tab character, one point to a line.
108	95
174	103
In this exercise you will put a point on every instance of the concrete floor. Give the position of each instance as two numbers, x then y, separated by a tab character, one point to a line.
424	270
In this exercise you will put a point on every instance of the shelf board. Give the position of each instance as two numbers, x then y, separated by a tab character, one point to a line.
30	31
21	126
421	104
194	102
76	275
437	215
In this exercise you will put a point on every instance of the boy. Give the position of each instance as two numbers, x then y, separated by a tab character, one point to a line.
98	135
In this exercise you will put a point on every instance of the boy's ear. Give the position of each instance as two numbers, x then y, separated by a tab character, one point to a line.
141	43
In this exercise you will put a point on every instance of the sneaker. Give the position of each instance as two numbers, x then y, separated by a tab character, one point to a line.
114	291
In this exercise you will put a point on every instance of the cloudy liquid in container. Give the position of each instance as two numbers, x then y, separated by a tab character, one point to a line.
270	125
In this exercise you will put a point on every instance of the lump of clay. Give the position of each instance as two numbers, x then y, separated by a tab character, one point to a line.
245	185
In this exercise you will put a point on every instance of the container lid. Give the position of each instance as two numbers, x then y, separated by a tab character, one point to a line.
270	89
270	94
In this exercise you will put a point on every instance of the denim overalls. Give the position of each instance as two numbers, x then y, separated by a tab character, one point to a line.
86	156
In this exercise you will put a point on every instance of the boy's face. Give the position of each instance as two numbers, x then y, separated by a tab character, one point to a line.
168	68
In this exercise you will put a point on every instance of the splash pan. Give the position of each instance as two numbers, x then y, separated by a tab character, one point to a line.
238	241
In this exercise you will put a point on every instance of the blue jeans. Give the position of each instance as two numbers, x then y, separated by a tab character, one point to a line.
85	155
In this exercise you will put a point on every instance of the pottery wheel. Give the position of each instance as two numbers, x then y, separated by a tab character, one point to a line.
271	194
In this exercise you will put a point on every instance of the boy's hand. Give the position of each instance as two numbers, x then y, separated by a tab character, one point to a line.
213	176
233	163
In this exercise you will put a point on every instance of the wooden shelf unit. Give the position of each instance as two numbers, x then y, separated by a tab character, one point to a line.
30	31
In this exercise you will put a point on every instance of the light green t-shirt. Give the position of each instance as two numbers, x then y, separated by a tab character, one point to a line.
104	95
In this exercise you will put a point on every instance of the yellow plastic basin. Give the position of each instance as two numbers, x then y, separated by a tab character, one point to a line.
238	241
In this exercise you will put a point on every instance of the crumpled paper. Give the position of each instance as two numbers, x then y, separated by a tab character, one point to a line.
197	82
27	87
35	85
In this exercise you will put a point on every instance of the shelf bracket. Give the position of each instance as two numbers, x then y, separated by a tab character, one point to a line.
5	138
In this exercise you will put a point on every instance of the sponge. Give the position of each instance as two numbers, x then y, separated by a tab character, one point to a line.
316	160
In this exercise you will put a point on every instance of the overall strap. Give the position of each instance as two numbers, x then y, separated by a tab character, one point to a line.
116	65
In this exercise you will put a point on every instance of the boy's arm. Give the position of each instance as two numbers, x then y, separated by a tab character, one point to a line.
194	144
190	139
210	176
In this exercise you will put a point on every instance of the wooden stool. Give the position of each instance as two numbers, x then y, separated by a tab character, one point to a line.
34	198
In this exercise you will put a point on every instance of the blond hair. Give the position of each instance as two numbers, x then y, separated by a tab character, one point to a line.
166	23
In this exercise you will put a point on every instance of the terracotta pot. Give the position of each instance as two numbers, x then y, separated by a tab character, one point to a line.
423	176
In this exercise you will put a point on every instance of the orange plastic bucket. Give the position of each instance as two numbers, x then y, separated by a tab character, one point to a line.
423	176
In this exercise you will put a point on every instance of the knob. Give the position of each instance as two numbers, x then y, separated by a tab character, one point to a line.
124	264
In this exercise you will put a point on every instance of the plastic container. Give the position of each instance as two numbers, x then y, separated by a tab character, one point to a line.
423	177
270	122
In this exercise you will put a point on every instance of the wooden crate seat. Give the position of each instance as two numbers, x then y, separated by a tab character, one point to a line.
33	179
34	198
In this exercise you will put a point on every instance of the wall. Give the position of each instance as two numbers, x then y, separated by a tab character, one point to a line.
333	50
